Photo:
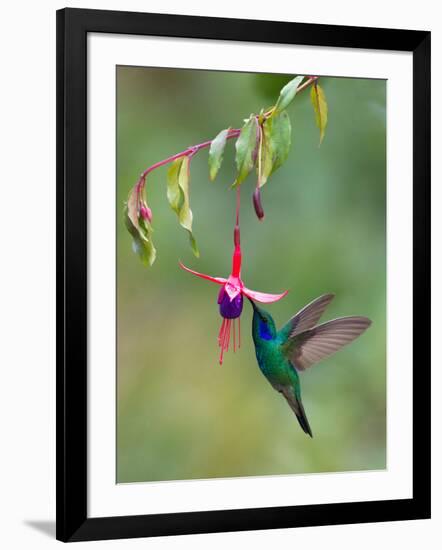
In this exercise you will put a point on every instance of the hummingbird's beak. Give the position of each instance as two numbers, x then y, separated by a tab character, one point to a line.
255	307
256	310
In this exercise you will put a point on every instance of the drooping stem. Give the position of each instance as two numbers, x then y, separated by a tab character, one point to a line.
236	231
237	256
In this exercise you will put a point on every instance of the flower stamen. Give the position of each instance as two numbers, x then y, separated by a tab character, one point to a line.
239	332
234	337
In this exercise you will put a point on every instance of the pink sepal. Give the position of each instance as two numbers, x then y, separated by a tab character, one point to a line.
217	280
262	296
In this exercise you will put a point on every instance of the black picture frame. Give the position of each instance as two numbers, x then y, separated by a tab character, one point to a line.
73	25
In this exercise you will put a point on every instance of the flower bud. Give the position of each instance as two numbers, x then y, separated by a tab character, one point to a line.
257	204
146	213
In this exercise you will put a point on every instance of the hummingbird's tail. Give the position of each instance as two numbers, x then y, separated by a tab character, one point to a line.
298	408
302	419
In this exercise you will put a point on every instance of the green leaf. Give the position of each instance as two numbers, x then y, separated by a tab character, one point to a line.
276	138
216	153
144	246
246	148
281	132
319	102
141	236
178	194
194	245
287	94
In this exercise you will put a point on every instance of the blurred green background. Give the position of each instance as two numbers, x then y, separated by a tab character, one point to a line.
179	414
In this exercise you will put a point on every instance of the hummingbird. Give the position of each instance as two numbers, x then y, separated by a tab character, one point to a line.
298	345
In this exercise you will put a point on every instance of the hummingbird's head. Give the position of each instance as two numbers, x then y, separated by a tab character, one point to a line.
263	324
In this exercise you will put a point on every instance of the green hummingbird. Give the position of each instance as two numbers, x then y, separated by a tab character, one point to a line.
300	344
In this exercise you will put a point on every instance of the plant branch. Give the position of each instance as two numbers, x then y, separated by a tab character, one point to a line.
307	83
191	151
249	154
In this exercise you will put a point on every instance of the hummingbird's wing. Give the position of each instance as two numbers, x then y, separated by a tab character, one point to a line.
307	317
311	346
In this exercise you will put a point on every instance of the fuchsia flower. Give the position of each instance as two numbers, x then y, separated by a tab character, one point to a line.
230	299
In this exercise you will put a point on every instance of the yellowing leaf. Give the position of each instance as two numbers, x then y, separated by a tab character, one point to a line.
216	153
266	160
321	110
174	193
185	214
133	205
178	194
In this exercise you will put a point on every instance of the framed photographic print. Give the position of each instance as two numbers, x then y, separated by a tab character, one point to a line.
243	213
